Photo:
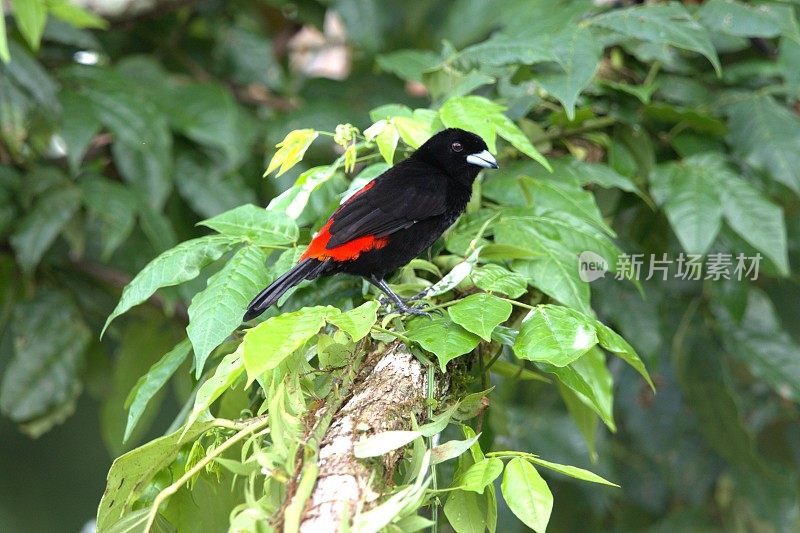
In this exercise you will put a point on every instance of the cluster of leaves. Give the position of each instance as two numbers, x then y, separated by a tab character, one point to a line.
667	129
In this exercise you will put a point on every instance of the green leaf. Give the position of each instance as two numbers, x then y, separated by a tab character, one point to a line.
225	375
556	335
387	140
466	512
494	278
757	220
272	341
591	382
766	135
29	74
206	188
150	383
5	55
131	473
74	15
445	339
481	474
111	209
509	131
408	64
294	199
573	471
217	311
39	227
504	50
257	225
135	522
577	51
480	314
527	494
475	114
689	192
451	449
49	353
668	24
357	322
291	150
739	18
175	266
31	16
79	125
611	341
383	443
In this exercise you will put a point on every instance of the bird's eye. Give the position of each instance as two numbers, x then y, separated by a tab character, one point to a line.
456	146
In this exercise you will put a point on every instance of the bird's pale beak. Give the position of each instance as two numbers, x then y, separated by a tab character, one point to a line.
482	159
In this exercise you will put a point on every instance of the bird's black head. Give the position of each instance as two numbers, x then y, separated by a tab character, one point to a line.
459	153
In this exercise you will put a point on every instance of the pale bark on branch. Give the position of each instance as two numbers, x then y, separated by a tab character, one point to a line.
384	398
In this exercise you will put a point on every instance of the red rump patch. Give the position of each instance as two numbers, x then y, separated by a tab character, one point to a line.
317	249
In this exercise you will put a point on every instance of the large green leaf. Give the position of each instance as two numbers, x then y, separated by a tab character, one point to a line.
31	16
555	334
225	375
79	125
357	322
112	210
757	220
527	494
590	381
443	338
494	278
272	341
472	113
40	226
504	50
577	52
668	24
480	314
767	136
217	311
738	18
49	340
131	473
481	474
690	194
152	382
257	225
172	267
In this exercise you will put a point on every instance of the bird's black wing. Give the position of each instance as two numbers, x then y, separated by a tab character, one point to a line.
404	194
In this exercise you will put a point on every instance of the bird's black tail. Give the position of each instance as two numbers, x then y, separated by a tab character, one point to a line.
305	269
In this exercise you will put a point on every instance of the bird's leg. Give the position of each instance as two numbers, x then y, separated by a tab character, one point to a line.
420	295
398	302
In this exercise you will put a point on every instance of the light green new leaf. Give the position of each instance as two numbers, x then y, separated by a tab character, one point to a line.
766	134
217	310
757	220
74	15
272	341
527	494
668	24
291	150
136	521
451	449
690	194
150	383
494	278
577	51
387	141
131	473
5	55
509	131
573	471
257	225
481	474
225	375
445	339
293	200
412	130
480	314
39	227
175	266
556	335
31	16
473	113
383	443
357	322
611	341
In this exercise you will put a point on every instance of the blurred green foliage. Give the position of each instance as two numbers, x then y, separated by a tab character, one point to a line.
670	128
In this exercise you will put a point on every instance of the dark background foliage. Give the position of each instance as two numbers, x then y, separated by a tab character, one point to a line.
209	87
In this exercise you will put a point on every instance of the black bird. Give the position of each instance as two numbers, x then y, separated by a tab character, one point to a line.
392	219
